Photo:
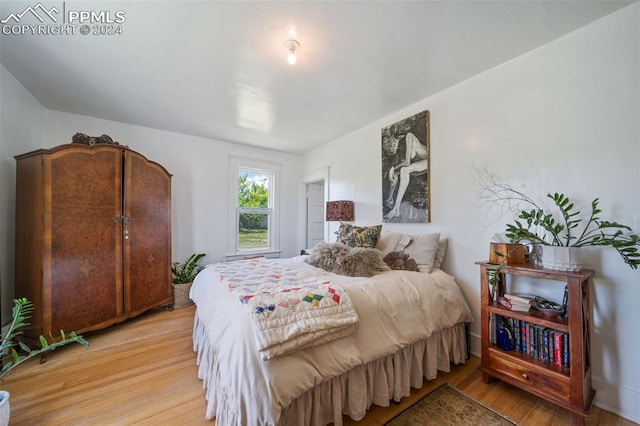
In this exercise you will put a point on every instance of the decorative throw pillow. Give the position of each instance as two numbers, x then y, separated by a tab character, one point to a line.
344	229
440	253
344	260
326	255
359	236
398	260
392	241
360	262
423	249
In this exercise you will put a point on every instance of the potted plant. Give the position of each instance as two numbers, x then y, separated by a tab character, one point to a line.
572	232
183	274
564	234
11	357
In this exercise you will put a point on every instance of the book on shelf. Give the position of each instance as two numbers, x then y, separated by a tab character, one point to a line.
524	337
533	344
545	344
512	306
492	328
516	334
557	358
518	298
565	349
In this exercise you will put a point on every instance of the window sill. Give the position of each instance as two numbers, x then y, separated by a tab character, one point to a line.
269	254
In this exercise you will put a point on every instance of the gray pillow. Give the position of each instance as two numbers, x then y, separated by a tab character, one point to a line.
392	241
423	249
442	251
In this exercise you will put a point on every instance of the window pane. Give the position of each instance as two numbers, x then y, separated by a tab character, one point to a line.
253	230
254	208
253	189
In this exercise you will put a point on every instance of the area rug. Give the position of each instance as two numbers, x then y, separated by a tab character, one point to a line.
447	406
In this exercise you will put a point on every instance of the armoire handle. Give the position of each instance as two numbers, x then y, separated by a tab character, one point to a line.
124	220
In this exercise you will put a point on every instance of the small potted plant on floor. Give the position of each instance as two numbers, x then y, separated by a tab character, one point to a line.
15	352
183	274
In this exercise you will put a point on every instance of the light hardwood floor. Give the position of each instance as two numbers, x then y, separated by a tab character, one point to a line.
143	372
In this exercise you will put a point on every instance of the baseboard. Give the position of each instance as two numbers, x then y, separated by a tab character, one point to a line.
617	399
476	348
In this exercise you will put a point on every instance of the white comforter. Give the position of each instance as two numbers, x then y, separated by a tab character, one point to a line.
396	309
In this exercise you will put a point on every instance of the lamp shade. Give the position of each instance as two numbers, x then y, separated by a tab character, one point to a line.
339	210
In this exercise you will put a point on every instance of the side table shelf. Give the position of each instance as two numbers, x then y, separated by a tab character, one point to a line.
567	384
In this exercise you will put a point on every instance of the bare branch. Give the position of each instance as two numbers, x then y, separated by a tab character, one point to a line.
498	197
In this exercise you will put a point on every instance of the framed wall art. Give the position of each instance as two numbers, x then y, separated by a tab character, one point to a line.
405	170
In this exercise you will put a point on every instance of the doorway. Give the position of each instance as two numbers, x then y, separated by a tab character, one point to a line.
315	213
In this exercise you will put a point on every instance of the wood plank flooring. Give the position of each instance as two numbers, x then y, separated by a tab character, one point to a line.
143	372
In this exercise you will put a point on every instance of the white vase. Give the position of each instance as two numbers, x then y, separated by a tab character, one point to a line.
5	409
562	258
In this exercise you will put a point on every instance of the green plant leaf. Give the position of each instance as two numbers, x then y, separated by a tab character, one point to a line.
25	348
6	366
185	272
21	311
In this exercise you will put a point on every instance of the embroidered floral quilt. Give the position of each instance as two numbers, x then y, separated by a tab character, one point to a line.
290	307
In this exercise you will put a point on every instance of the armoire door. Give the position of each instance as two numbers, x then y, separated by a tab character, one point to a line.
82	250
147	235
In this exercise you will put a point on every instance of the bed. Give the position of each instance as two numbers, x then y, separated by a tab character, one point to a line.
408	325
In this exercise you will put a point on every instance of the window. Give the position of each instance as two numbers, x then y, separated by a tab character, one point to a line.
254	207
254	211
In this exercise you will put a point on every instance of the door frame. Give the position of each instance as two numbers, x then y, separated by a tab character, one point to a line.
308	213
317	176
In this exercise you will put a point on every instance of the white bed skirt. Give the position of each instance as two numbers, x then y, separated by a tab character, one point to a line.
352	393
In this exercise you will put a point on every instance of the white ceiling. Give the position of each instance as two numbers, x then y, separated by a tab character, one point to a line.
218	69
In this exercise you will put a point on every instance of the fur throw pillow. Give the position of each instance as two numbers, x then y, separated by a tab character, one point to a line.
400	260
344	260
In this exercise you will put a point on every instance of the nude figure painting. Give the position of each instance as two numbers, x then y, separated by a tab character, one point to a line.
405	170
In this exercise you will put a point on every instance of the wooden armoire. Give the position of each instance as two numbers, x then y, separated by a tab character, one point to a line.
93	236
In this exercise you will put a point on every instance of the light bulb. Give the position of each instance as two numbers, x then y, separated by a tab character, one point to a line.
291	57
291	46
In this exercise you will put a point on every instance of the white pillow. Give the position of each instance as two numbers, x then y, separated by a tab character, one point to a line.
392	241
423	249
442	251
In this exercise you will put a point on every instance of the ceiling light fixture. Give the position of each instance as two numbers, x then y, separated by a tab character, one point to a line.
291	46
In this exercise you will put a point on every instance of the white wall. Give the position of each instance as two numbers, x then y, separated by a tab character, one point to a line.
199	185
562	118
21	129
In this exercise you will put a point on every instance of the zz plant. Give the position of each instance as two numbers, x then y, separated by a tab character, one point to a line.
539	227
22	309
534	226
